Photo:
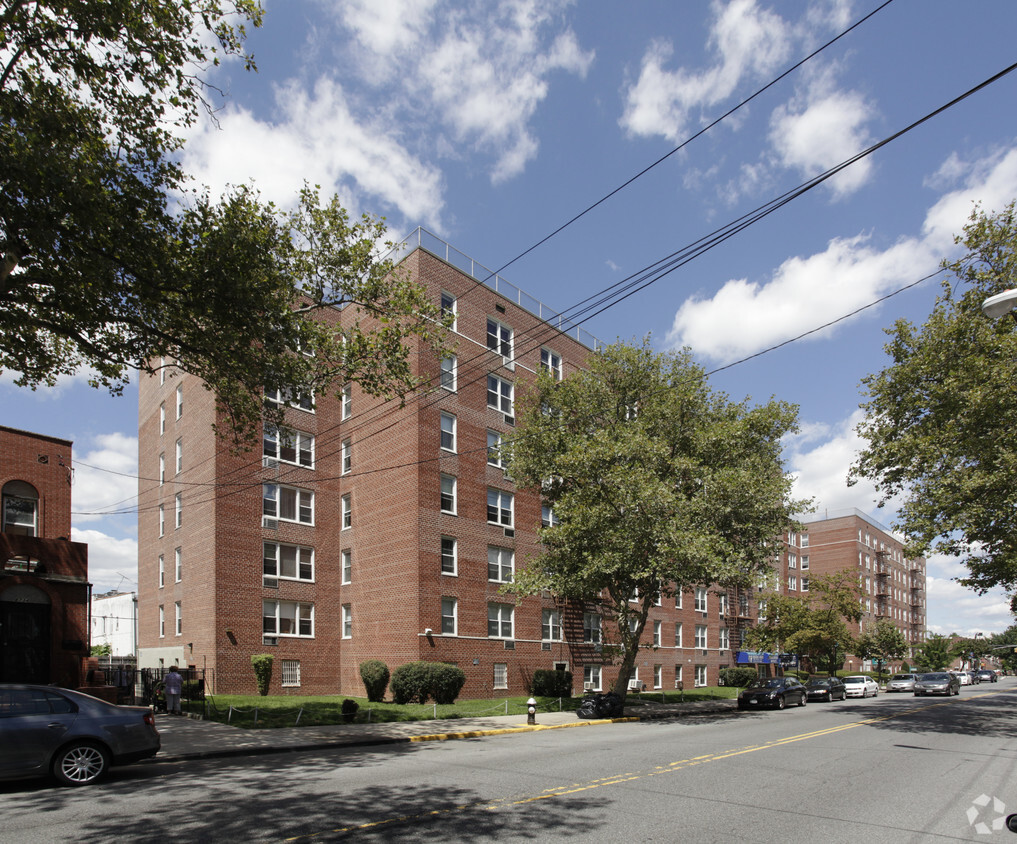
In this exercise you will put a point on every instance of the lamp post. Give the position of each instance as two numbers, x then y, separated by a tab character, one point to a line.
1002	303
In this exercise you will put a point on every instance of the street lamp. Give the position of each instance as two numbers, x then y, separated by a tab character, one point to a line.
1001	304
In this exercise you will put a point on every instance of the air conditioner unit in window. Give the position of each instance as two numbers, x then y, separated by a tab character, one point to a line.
269	640
510	645
545	646
271	524
589	687
269	463
509	532
510	420
270	582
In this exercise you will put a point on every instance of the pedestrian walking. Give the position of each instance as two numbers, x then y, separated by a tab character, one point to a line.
173	685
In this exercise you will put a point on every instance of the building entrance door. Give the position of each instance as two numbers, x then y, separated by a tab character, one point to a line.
24	642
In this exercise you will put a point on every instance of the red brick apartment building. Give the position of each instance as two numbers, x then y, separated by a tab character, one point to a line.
369	531
892	585
44	590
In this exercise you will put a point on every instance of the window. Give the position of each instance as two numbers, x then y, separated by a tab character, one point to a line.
162	571
678	635
448	373
677	675
792	561
347	612
180	456
290	672
551	362
500	507
761	610
162	622
347	457
656	633
288	618
162	418
499	620
180	400
500	564
701	636
448	494
290	562
162	379
162	520
449	554
178	506
287	504
289	396
287	446
591	628
499	394
346	507
179	620
722	603
591	677
805	584
658	676
449	307
547	517
178	564
700	676
499	338
449	616
346	556
494	449
805	562
792	582
347	402
700	599
162	469
805	540
501	675
550	626
448	432
20	509
724	639
678	599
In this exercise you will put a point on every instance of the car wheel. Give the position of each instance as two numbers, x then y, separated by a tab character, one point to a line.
780	702
82	763
876	693
803	701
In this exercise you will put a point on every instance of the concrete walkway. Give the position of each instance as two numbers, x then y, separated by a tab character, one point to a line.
188	738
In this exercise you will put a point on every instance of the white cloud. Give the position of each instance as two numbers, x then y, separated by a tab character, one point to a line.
952	608
744	316
748	42
112	562
108	481
385	26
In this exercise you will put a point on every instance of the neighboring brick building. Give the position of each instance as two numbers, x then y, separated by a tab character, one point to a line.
892	586
44	590
372	531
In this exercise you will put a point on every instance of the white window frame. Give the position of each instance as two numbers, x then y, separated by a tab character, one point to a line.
274	496
162	468
678	635
162	418
449	616
449	373
592	675
657	630
500	679
178	564
805	562
448	439
347	402
501	564
500	338
162	571
550	626
792	583
285	397
449	494
593	628
346	566
702	599
277	443
497	511
550	361
501	617
302	617
347	621
724	639
451	543
162	520
702	676
277	557
548	517
290	673
178	619
162	621
346	456
178	509
658	676
179	458
678	599
500	394
180	401
449	304
702	637
494	444
346	512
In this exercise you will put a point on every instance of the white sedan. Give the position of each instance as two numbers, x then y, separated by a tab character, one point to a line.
860	686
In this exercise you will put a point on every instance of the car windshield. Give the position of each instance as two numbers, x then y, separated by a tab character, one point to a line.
772	683
854	679
903	677
928	678
819	683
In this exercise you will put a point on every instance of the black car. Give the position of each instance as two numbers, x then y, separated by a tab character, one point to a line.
987	676
825	688
775	692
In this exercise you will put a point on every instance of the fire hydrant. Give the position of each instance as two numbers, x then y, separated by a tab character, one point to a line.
531	711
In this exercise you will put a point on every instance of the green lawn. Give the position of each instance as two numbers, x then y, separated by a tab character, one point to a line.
255	712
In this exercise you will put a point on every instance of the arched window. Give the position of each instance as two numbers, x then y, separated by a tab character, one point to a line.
20	508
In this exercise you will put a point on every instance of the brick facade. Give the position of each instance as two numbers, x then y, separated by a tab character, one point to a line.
44	590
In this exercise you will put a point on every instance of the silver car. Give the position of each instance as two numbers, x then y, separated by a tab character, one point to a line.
901	683
72	736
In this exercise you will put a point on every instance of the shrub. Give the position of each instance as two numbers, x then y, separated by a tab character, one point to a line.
418	681
737	677
262	671
549	683
349	707
375	675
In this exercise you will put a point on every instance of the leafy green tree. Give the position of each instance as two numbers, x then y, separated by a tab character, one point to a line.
111	262
940	418
881	641
813	624
936	654
656	483
1003	646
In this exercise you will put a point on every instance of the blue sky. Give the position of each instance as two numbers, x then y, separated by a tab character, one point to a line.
493	123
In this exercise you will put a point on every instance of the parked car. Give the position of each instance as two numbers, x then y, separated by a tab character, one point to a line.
777	692
825	688
938	683
72	736
860	686
987	676
963	677
901	683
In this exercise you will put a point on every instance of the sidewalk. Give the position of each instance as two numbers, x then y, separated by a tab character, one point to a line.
186	738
